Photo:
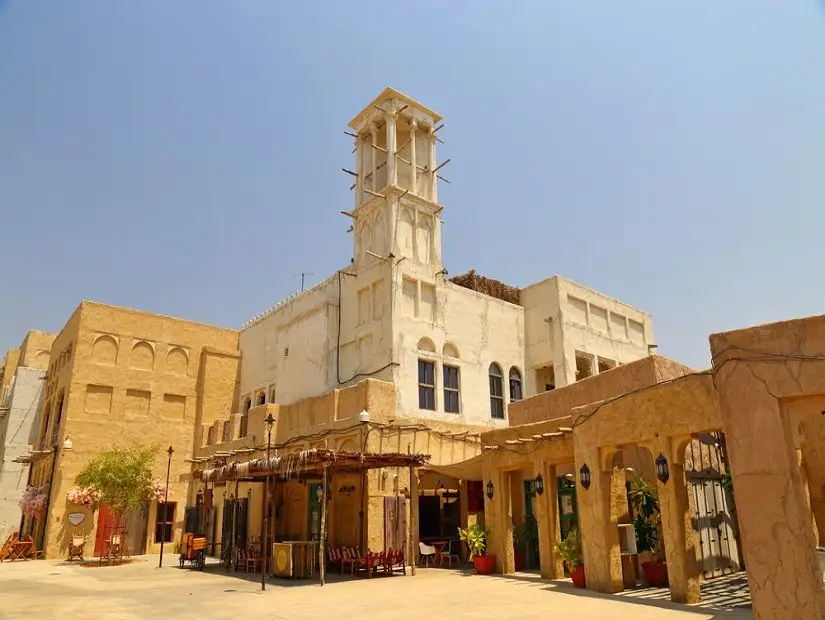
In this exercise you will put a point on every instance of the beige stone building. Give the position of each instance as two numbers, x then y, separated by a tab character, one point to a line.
118	375
22	377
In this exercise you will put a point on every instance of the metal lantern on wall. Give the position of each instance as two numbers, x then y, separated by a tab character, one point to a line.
539	484
584	476
662	469
490	489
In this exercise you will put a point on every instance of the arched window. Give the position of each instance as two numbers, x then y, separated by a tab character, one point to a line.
260	398
227	427
515	385
496	392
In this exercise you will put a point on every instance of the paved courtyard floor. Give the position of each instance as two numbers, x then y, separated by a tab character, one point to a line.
53	589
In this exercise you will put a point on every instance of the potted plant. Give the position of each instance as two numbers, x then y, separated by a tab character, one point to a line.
570	550
476	538
647	523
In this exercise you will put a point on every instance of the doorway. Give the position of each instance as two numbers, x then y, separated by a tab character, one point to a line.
315	491
528	531
568	509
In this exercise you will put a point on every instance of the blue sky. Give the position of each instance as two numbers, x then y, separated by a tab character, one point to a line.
184	156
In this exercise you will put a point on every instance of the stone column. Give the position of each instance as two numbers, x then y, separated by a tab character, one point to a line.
547	518
599	526
498	518
800	462
414	171
463	499
431	164
392	160
373	158
679	537
777	541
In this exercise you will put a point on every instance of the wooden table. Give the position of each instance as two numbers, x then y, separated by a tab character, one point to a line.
439	549
22	550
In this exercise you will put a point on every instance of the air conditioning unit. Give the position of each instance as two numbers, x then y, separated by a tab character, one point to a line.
627	539
282	560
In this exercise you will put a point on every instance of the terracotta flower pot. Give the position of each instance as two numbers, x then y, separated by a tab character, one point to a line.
656	574
577	575
484	564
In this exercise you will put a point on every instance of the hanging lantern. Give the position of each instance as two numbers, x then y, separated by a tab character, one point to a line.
662	469
539	484
584	476
490	490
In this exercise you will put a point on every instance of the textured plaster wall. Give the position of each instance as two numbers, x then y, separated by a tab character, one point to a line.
36	348
15	428
481	330
762	373
563	317
131	376
292	351
560	402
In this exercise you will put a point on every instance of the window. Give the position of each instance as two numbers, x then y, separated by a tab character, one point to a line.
244	426
260	398
165	521
210	436
515	385
451	389
271	393
496	392
426	385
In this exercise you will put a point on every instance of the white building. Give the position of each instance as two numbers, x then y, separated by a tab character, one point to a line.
22	377
455	354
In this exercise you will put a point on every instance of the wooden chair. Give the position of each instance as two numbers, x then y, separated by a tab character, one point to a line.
396	562
8	546
350	557
450	554
253	558
76	547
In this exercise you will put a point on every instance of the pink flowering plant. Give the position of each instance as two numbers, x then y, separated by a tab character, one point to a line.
84	497
158	490
33	502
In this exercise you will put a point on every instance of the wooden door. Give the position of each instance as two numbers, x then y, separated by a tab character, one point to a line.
106	524
395	523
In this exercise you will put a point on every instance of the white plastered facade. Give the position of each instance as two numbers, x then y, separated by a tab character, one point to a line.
397	307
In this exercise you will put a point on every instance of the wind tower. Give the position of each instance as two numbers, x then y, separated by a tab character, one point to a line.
396	182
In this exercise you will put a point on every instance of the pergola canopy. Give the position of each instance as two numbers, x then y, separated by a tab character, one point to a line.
308	463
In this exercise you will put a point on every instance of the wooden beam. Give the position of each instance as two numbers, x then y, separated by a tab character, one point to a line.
322	564
413	535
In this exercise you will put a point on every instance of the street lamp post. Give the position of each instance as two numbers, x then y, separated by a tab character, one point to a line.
265	534
170	451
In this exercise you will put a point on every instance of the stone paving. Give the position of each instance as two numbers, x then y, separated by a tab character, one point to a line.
53	589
